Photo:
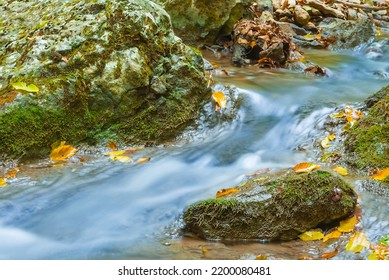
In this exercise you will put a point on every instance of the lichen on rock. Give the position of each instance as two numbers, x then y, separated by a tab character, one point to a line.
103	68
278	208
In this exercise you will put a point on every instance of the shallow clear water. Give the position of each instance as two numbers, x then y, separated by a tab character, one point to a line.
100	209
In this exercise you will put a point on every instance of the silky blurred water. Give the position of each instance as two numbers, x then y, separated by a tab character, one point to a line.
101	209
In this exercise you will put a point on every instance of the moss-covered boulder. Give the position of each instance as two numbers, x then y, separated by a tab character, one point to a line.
367	143
274	209
104	69
200	22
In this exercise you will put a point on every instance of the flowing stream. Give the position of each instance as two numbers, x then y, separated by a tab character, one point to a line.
99	209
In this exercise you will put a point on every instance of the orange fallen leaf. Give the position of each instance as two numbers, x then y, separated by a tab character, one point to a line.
8	97
341	170
311	235
332	235
348	224
329	255
224	192
143	160
357	242
381	174
112	146
305	167
220	99
62	152
12	173
3	183
380	252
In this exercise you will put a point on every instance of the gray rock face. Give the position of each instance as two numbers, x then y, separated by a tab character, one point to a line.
103	68
346	34
273	209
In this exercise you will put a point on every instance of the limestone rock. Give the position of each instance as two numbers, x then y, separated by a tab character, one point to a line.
279	208
301	16
104	69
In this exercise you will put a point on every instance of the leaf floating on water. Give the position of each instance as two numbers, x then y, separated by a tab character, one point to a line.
329	255
305	167
332	235
348	224
62	152
220	99
357	242
224	192
23	86
381	174
143	160
112	146
325	143
341	170
12	173
311	235
122	158
3	183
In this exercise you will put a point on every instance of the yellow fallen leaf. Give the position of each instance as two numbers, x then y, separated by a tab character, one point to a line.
305	167
23	86
220	99
348	224
3	183
338	115
12	173
143	160
329	255
332	235
357	242
115	153
378	32
224	192
112	146
311	235
204	250
380	252
381	174
261	258
329	155
62	152
122	158
309	37
341	170
325	143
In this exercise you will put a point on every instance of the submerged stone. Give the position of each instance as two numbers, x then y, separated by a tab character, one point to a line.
106	70
279	208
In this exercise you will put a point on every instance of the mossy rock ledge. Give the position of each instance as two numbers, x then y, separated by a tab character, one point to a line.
279	208
367	143
106	70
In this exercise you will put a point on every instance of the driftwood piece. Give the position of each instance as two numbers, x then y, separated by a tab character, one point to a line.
360	6
324	9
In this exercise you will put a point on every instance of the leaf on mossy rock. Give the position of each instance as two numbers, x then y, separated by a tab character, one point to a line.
348	224
332	235
384	240
380	252
224	192
329	255
311	235
220	99
62	151
25	87
357	242
305	167
3	183
341	170
381	174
